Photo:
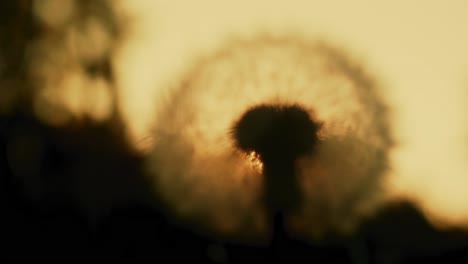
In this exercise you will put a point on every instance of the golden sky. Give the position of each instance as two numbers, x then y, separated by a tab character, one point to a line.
417	49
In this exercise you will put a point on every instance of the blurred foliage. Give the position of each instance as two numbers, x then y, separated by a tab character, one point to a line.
60	130
56	59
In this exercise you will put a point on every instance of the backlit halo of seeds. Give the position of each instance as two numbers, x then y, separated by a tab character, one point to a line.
205	179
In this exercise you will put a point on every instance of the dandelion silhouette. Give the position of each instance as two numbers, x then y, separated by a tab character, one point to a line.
268	98
279	134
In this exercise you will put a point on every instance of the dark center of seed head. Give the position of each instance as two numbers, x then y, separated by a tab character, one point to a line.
277	133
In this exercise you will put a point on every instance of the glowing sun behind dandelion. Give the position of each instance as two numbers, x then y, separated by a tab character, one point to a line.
254	160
